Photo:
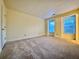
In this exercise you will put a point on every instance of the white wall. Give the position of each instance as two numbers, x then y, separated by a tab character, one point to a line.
21	25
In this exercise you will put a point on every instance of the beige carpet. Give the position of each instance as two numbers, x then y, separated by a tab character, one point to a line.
40	48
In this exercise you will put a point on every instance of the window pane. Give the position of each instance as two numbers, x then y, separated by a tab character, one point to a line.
70	25
51	26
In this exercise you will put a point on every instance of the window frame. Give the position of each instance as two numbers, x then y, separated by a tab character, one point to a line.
63	22
48	25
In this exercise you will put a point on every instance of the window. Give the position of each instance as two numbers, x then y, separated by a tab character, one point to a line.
70	25
51	26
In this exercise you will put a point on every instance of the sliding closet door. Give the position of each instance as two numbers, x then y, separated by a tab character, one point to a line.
3	26
0	26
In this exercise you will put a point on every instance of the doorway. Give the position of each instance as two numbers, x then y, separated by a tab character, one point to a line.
51	27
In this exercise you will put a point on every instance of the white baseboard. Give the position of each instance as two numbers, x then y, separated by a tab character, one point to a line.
0	50
23	38
10	40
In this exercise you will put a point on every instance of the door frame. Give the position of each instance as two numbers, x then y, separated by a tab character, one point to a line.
48	27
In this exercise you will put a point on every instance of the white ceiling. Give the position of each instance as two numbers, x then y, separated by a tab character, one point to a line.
42	8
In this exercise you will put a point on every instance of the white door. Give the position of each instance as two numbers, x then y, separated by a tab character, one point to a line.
3	27
0	27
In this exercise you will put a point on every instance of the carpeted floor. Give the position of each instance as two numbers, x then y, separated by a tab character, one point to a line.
40	48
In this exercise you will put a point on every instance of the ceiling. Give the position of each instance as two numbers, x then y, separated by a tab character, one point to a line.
42	8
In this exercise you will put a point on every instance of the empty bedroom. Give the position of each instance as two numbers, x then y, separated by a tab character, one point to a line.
39	29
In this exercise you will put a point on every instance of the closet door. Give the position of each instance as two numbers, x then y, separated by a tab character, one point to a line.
0	27
3	26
